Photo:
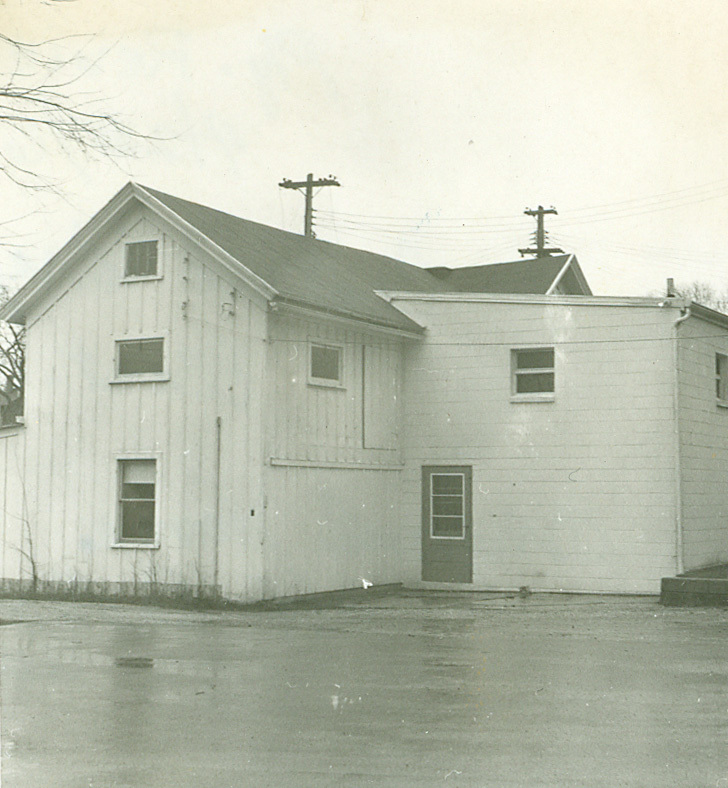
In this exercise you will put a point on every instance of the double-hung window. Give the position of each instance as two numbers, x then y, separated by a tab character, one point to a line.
532	374
721	379
137	502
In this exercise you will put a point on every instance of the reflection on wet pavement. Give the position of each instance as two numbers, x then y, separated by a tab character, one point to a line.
411	692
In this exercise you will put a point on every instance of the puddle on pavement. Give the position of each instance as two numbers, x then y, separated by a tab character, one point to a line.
134	662
449	626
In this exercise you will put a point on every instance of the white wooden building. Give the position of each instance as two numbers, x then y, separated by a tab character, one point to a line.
214	406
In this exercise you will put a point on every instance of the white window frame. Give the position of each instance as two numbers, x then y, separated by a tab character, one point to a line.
127	278
142	377
721	380
531	396
453	516
117	460
329	383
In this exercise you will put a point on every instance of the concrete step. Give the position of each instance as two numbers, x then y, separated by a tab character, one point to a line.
696	589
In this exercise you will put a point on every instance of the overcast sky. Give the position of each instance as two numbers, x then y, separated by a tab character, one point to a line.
442	121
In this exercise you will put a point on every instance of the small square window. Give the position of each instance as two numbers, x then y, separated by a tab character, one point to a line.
137	501
721	377
326	366
141	259
140	357
533	373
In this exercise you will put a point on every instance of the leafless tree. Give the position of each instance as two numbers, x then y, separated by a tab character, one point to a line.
43	107
12	367
43	103
705	294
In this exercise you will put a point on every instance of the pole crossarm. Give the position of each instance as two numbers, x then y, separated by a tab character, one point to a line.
541	250
288	184
308	186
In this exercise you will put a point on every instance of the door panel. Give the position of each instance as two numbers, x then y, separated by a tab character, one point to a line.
447	520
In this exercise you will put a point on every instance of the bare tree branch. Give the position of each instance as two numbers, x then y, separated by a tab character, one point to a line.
43	101
705	294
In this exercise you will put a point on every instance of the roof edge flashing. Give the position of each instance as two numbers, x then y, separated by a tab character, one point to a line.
531	298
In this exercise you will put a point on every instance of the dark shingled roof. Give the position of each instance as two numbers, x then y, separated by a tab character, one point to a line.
335	279
307	271
521	276
342	280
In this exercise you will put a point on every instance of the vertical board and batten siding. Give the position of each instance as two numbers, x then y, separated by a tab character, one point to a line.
14	547
703	428
359	421
78	422
332	484
330	528
577	494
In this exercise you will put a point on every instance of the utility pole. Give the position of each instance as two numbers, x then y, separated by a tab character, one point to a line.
540	236
307	186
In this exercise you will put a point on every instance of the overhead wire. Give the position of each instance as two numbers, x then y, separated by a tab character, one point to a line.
476	240
636	266
651	249
655	258
385	227
606	216
636	205
432	244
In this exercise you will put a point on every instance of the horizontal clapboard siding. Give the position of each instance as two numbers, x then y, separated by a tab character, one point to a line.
703	446
577	494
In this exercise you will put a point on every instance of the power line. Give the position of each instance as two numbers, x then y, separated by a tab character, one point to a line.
459	229
653	198
428	244
686	254
702	191
654	259
605	216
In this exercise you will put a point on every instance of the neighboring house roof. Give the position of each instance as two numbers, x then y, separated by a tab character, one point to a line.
302	271
533	275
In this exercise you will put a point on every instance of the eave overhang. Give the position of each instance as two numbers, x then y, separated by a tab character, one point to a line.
17	308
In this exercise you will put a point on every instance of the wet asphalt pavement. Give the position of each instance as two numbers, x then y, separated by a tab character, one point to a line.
406	689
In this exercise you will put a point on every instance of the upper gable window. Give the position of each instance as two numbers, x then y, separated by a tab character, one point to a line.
532	374
141	260
326	365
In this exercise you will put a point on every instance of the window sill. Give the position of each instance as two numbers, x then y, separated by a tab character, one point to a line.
532	398
722	403
151	278
140	379
11	429
323	384
135	546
